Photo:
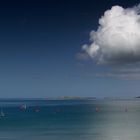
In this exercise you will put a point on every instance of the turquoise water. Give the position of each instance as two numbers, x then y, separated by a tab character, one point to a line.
70	120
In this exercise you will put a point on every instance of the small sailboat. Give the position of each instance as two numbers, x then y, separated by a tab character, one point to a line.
126	110
2	113
37	110
97	109
23	107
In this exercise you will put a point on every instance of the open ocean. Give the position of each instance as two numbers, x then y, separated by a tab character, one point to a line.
70	120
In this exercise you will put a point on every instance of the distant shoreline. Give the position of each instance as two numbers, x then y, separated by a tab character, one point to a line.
70	98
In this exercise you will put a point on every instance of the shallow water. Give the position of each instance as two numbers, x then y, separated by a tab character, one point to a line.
70	120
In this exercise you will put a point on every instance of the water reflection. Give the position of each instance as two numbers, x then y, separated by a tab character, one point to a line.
94	120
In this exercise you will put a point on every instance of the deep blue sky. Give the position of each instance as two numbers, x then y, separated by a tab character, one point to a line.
38	44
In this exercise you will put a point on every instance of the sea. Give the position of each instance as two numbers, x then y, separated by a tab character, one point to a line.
69	119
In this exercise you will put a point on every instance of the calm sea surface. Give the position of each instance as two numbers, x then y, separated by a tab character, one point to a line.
70	120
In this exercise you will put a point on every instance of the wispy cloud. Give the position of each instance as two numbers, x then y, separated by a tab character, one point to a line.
82	56
122	76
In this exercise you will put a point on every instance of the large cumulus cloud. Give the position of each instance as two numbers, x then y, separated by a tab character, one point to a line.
117	39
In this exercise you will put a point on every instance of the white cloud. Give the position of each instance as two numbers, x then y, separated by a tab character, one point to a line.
117	39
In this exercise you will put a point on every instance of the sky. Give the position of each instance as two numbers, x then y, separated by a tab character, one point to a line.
63	48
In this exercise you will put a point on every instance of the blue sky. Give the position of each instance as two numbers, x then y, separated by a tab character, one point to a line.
39	42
